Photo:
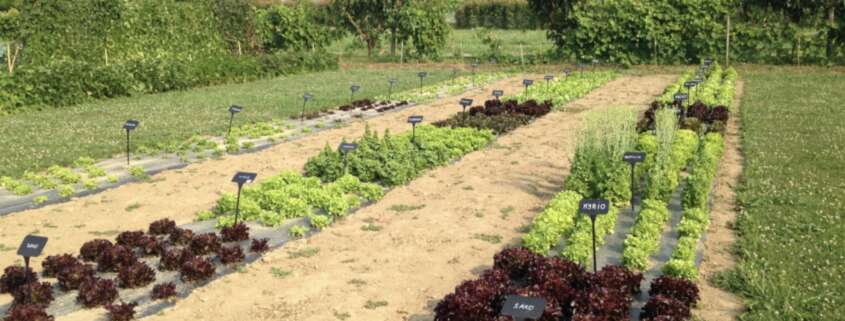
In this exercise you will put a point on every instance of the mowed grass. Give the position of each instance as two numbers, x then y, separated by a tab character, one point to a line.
791	228
464	43
36	140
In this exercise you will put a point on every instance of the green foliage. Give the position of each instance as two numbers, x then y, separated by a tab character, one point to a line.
138	172
283	27
422	24
580	242
17	187
499	14
597	168
446	88
683	31
290	195
695	217
64	174
235	23
79	50
644	238
563	90
555	222
319	221
297	231
395	160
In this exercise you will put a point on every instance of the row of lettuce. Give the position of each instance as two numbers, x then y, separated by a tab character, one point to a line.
85	174
598	171
334	183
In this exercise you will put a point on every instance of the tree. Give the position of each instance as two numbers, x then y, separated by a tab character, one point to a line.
368	19
556	15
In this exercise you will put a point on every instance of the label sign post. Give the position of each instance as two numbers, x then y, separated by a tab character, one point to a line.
32	246
414	120
548	78
527	83
521	308
352	90
422	76
454	73
567	71
689	85
241	178
129	126
345	149
466	102
392	82
498	93
305	98
234	109
633	158
594	207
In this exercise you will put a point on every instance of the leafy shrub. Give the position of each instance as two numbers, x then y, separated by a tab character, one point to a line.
661	307
644	238
91	250
115	258
151	245
163	291
53	264
259	246
235	233
395	160
680	289
135	275
205	244
71	277
556	221
196	269
229	255
297	231
15	277
173	259
96	292
34	293
181	236
28	312
162	227
121	312
130	239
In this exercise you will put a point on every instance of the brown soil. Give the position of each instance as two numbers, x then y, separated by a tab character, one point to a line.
717	304
465	213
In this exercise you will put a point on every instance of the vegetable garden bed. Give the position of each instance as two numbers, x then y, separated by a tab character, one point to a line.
671	146
89	176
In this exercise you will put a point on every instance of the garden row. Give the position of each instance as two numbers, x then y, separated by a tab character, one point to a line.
337	181
130	259
599	172
88	175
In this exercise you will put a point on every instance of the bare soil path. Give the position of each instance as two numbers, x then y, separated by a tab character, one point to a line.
432	234
717	304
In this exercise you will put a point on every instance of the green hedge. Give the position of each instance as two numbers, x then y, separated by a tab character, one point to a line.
87	49
684	31
499	14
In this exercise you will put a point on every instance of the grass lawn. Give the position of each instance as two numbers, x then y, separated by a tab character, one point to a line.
462	42
792	229
36	140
